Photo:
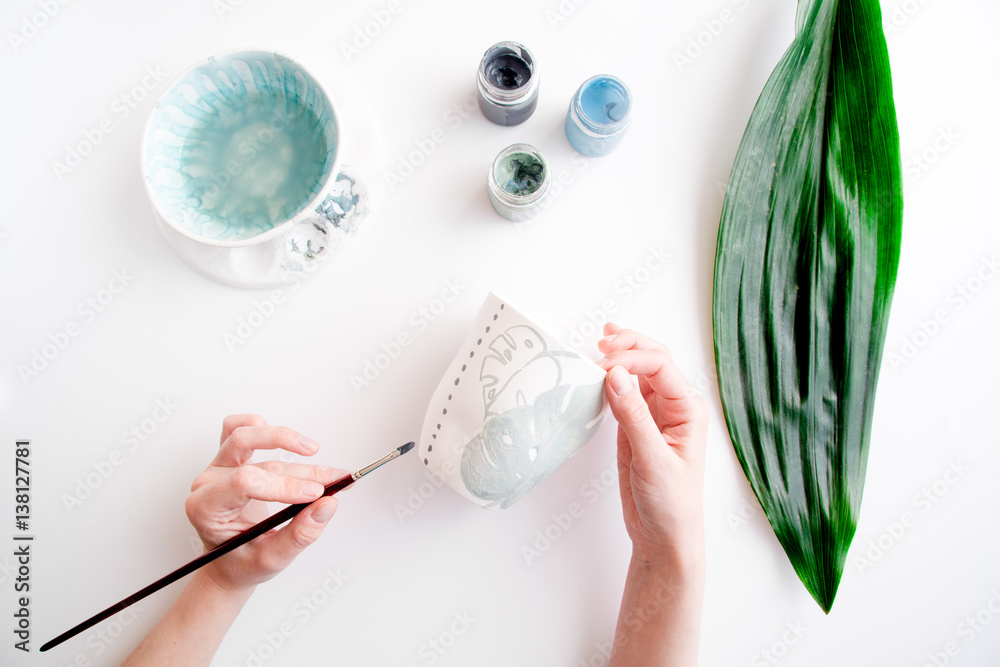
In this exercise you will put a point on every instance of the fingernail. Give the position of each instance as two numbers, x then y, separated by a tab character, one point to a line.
601	361
311	489
324	512
610	338
308	444
621	381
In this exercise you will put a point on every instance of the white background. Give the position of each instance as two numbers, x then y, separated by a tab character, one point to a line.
407	577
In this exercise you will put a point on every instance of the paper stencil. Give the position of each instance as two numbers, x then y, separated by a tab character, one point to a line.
514	405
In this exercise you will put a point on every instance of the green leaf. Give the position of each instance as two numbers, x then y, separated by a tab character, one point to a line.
804	273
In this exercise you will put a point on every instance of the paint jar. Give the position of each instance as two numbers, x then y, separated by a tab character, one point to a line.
598	116
518	182
507	83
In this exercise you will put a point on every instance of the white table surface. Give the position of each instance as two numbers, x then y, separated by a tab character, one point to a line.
402	583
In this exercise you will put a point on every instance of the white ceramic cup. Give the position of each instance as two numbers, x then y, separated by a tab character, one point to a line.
243	149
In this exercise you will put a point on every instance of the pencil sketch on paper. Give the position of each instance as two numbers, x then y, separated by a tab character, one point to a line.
535	418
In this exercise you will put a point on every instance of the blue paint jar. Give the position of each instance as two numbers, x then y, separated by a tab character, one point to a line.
598	116
507	83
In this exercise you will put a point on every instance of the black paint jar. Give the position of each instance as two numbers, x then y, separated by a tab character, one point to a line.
507	83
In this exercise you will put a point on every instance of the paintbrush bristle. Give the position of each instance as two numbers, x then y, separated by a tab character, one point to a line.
405	448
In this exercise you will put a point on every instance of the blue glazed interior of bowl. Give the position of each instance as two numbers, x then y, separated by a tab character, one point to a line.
238	145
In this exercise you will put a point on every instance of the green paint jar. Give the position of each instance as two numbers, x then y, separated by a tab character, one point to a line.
518	182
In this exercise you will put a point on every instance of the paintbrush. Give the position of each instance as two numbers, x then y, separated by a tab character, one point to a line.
259	529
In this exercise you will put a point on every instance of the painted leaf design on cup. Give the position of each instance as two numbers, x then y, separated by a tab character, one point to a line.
521	446
514	405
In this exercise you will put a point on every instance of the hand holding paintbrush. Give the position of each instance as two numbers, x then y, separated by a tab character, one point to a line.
229	497
226	506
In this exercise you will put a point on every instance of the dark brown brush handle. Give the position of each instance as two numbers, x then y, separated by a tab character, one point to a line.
267	524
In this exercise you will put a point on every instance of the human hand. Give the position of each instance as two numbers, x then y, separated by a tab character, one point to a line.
661	448
228	497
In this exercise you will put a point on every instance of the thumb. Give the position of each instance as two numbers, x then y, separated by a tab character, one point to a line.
287	543
630	409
